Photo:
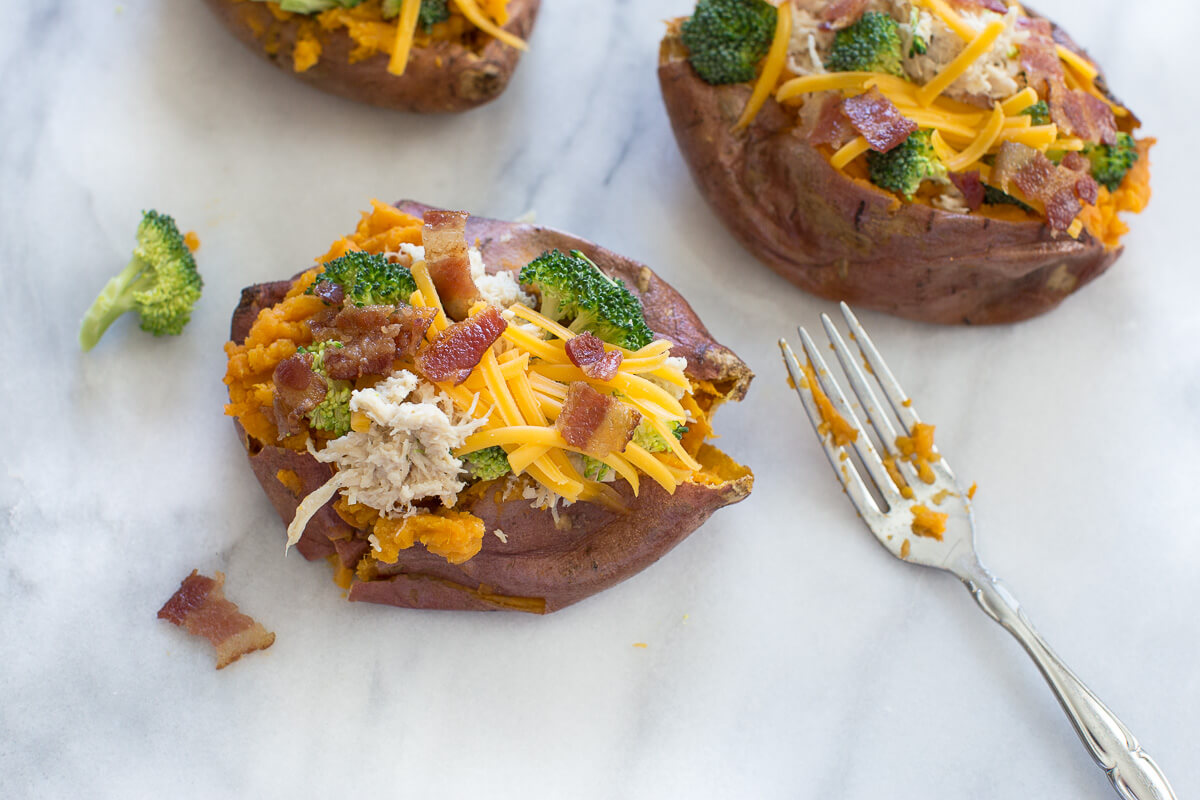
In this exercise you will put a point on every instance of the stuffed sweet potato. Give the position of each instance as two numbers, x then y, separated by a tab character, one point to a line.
463	413
409	55
955	161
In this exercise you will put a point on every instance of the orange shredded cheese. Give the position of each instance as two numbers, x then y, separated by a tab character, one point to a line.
406	27
772	66
961	63
472	12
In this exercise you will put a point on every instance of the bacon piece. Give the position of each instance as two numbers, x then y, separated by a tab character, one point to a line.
372	338
458	349
199	606
298	390
1039	55
832	126
598	424
330	292
1077	161
1077	113
971	187
444	237
842	14
586	351
878	120
999	6
1058	188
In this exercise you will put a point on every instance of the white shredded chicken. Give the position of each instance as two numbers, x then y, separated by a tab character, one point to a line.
993	76
405	455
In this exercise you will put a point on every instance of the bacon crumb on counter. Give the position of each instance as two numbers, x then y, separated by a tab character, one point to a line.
878	120
596	423
458	349
586	351
199	606
448	261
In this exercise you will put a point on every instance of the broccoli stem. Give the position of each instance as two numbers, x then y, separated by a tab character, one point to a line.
115	299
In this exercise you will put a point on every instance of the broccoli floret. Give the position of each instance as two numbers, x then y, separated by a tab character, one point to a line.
594	469
368	279
1039	112
487	464
333	413
902	168
573	288
160	283
919	45
727	38
652	441
1110	162
996	197
870	45
432	11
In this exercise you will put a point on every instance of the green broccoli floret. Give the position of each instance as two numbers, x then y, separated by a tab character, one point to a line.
1039	112
594	469
996	197
432	11
1110	162
368	279
902	168
919	45
333	413
652	441
487	464
870	45
160	283
727	38
573	288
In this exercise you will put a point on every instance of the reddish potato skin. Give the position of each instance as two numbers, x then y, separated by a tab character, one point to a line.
444	77
842	239
540	568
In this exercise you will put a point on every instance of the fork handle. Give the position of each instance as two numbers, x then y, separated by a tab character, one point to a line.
1132	773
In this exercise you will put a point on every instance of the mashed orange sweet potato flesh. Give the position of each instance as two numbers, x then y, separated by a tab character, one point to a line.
1100	220
372	34
918	450
832	424
928	523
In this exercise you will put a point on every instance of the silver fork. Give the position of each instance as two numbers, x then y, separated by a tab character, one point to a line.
1132	773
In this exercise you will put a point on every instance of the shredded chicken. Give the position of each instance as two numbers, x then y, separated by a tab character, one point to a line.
405	455
500	290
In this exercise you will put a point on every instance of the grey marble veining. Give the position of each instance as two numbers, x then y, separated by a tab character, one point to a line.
788	655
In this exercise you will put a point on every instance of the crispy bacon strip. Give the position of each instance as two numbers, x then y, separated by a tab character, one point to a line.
971	187
842	14
199	606
298	390
457	350
587	352
372	338
1060	189
444	237
832	126
598	424
1077	113
1039	56
878	120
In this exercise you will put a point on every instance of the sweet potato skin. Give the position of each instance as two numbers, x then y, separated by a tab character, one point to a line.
542	567
444	77
845	239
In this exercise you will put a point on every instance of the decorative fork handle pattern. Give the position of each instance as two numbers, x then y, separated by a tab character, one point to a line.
1132	773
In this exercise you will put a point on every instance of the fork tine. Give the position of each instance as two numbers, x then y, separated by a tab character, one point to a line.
845	470
874	413
900	402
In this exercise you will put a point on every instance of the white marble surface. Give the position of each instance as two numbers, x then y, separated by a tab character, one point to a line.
788	655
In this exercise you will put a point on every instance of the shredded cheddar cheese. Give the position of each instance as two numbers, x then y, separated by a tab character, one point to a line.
978	46
406	28
772	66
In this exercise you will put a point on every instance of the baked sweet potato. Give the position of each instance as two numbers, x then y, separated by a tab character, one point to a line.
540	561
835	234
451	74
